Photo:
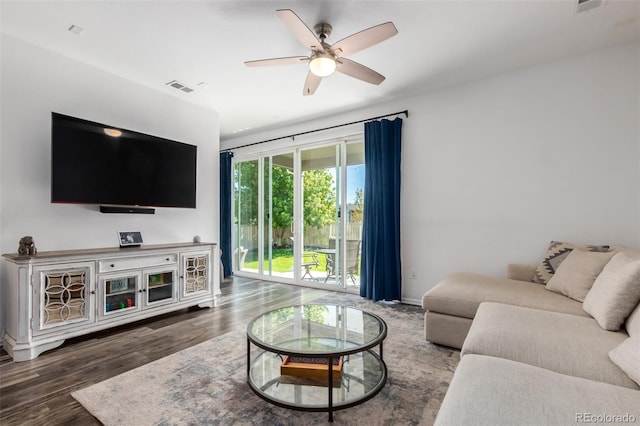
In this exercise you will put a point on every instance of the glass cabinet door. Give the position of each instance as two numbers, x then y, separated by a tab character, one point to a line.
195	279
160	287
119	293
65	296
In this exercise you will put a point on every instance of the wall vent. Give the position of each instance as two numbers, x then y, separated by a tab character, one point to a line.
177	85
586	5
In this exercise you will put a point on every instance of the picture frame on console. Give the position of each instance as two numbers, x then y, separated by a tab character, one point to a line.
130	238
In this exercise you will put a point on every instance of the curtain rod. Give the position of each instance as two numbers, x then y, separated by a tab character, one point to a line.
293	136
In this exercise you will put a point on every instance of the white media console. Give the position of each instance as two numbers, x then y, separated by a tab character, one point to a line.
56	295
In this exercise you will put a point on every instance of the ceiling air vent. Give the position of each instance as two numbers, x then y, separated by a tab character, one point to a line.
585	5
177	85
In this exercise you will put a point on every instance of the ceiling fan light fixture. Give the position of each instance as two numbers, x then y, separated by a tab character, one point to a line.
322	64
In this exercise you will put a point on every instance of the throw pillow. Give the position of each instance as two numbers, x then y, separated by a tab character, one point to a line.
627	356
615	293
632	324
578	271
557	252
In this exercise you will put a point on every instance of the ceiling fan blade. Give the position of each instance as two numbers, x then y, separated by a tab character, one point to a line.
300	29
364	39
277	61
359	71
311	84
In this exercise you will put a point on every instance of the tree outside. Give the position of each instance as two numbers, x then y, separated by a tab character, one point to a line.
357	214
281	202
319	201
319	197
246	192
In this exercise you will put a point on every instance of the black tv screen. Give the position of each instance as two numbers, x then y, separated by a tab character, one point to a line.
93	163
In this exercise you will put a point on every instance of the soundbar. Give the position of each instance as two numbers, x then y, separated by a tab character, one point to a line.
125	209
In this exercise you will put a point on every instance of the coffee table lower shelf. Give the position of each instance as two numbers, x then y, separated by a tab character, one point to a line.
361	376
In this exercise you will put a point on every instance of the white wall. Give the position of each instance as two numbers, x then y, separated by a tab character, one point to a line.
36	82
495	169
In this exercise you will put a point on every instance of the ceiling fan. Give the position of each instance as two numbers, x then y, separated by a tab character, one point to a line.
324	58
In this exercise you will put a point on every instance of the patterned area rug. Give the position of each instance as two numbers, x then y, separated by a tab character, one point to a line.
206	384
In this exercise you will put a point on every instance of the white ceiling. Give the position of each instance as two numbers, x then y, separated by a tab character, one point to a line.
440	43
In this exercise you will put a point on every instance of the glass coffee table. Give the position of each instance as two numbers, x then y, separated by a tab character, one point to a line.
316	357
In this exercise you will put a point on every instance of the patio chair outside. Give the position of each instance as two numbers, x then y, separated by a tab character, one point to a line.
309	260
353	257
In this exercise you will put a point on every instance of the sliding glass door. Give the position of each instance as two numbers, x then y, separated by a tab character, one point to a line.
278	215
298	215
354	212
246	216
320	214
263	213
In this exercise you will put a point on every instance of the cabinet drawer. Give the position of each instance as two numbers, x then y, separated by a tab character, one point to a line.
121	264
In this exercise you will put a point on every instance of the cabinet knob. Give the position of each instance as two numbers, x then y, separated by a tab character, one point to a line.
113	265
93	292
168	259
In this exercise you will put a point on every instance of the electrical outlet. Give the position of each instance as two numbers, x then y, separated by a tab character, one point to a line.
414	274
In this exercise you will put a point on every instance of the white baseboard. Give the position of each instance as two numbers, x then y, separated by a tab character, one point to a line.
409	301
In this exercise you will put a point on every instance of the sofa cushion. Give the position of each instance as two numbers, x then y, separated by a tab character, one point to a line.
632	324
627	357
615	293
521	271
632	253
566	344
460	294
447	330
577	273
556	254
493	391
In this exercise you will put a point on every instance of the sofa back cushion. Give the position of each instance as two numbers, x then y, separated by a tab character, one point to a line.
556	254
577	273
632	325
615	293
634	254
633	322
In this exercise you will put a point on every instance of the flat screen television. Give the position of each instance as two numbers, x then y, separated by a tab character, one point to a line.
93	163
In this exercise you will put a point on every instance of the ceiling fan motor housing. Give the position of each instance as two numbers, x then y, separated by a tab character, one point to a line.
323	30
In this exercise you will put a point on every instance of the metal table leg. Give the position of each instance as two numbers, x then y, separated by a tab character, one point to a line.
331	389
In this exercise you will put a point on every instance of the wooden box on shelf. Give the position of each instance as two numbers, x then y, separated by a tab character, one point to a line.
311	367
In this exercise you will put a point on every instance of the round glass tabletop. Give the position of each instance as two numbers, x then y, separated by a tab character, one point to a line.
317	329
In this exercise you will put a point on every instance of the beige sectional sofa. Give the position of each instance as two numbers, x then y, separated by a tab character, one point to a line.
531	355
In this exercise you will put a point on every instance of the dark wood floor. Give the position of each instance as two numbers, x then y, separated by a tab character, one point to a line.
38	392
